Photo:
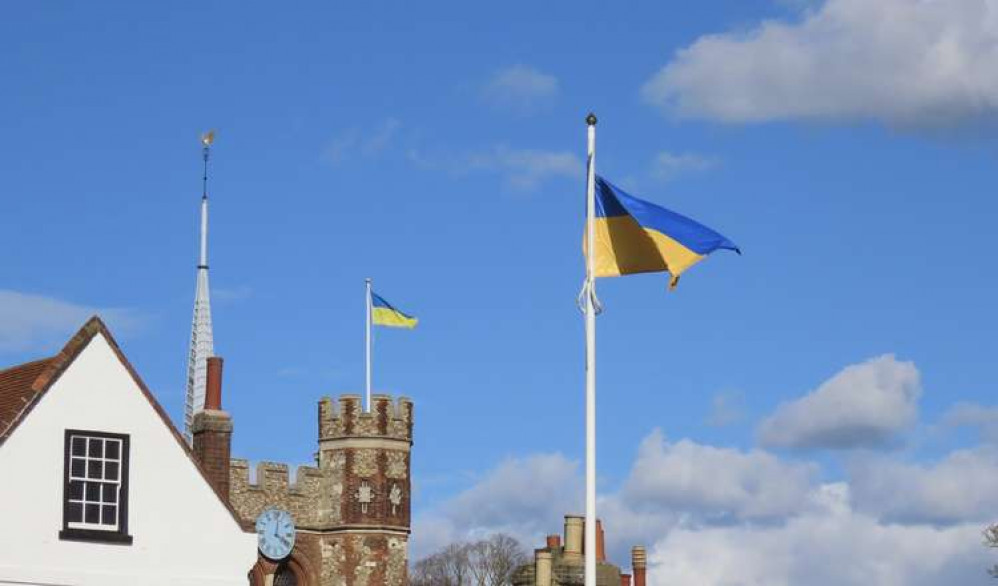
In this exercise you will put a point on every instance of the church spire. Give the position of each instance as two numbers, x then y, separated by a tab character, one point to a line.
202	346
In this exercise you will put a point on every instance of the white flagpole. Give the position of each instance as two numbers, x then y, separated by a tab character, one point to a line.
367	305
590	542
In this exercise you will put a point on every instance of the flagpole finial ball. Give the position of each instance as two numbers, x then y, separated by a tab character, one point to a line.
591	119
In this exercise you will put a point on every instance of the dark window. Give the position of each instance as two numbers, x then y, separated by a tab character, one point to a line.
95	487
285	576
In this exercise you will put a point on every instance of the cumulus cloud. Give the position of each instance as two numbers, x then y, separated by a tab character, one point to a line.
820	549
520	88
34	322
961	487
912	63
523	497
716	482
714	516
522	169
864	405
668	166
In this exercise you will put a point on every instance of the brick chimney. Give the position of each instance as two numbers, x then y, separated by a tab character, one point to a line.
639	562
212	431
600	543
574	527
542	568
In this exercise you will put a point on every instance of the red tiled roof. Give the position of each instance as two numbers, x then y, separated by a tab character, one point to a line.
18	391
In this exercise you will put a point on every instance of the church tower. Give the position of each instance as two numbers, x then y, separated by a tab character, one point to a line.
202	345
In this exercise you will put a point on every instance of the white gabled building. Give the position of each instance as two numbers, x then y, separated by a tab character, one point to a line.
97	487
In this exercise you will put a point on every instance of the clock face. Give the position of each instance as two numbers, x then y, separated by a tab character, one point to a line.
275	532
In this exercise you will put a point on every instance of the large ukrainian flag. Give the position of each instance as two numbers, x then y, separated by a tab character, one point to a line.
383	314
635	236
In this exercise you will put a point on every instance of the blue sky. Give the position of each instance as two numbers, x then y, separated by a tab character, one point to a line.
845	145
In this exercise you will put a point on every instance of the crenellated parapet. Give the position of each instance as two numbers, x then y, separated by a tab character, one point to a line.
273	487
345	418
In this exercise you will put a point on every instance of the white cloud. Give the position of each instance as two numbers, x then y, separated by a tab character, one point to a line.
715	482
34	322
523	497
522	169
366	143
820	549
961	487
715	516
910	63
667	166
864	405
983	418
520	88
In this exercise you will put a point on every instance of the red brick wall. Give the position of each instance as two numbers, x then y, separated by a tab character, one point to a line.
212	448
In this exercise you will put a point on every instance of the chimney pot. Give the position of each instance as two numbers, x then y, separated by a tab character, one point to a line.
554	541
625	580
600	542
542	568
574	526
639	562
213	384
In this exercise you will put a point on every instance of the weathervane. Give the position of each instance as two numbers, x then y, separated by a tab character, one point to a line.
206	139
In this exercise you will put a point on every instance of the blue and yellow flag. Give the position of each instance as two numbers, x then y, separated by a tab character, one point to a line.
383	314
635	236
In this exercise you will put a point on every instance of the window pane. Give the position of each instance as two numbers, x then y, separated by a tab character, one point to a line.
76	490
74	512
96	448
93	491
79	446
110	470
110	493
95	469
93	514
79	468
112	449
109	515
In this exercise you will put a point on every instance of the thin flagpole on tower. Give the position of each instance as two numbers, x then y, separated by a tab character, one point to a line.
590	305
368	355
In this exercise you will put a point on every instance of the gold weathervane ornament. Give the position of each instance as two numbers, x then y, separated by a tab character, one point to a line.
207	138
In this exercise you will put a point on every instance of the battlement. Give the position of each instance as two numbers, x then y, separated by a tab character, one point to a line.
274	477
346	418
303	498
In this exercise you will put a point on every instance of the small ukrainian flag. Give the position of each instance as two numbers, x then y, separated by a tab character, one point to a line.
383	314
636	236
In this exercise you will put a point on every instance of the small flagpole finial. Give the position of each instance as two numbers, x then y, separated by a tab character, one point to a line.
591	119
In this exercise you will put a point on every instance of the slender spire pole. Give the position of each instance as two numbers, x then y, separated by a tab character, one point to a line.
202	338
368	339
203	259
590	537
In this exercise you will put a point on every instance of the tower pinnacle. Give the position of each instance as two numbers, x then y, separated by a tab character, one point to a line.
202	344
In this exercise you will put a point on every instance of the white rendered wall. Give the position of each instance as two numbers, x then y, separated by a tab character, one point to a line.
182	533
